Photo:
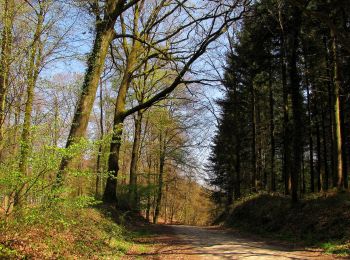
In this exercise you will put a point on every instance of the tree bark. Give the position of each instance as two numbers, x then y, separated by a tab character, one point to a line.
237	184
160	178
253	153
330	86
5	60
312	172
110	194
286	128
325	154
148	207
272	135
336	111
32	76
237	191
134	160
103	37
309	115
302	177
99	170
319	165
344	134
297	100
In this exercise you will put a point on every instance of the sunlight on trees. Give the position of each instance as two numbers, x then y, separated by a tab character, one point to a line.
175	111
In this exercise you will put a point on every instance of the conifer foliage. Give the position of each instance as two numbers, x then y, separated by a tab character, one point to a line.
284	123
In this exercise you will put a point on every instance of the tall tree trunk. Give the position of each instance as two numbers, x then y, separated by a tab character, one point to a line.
237	134
5	60
253	155
155	180
166	203
261	175
336	111
319	174
56	129
302	177
312	172
272	134
344	133
325	155
330	86
237	188
110	194
230	190
134	160
32	76
103	37
308	97
345	130
286	127
160	178
297	103
286	131
148	207
99	170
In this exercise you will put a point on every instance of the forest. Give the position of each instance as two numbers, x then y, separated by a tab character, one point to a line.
120	118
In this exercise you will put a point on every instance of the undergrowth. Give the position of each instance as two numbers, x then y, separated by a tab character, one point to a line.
76	229
321	220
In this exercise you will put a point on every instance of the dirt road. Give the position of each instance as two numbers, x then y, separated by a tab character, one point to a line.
189	242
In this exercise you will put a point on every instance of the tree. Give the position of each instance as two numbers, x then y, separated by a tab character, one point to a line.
106	17
211	33
5	61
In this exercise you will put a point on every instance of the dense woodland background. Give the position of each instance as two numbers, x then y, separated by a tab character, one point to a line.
177	110
130	129
284	125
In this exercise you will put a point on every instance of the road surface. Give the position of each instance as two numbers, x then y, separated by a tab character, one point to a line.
190	242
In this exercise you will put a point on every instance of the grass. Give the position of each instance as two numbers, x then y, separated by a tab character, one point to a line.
320	220
66	232
338	248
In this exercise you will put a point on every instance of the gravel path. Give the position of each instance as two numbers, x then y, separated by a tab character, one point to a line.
189	242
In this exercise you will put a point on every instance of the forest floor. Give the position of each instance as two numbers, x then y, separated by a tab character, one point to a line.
319	220
190	242
67	232
64	231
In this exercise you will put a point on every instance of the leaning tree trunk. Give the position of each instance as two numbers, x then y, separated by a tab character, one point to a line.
110	193
104	35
